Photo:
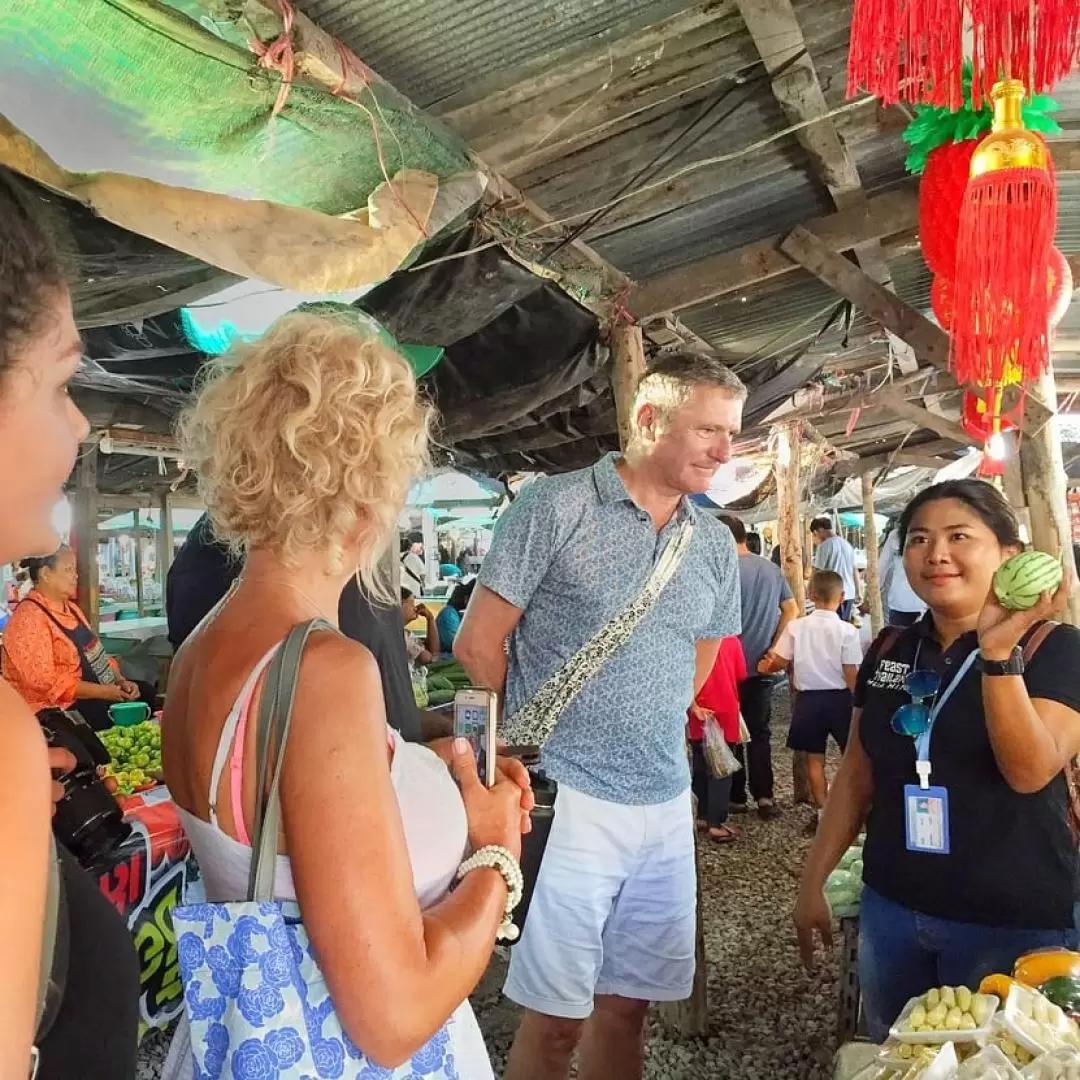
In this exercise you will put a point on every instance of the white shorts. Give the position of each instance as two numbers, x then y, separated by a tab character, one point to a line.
614	911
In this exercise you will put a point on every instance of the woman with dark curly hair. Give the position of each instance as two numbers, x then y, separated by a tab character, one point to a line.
962	728
54	989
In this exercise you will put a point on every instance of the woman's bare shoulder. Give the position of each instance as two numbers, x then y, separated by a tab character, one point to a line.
340	679
332	653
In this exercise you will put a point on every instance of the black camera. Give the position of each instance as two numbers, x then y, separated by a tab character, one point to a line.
88	821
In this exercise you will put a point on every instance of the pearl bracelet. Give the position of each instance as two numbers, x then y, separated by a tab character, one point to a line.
495	857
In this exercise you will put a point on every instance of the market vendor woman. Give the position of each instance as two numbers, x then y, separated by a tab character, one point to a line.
979	866
53	658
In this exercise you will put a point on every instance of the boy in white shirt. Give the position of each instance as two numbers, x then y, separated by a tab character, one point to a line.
824	655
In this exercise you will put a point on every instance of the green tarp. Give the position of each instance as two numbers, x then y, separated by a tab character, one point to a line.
203	106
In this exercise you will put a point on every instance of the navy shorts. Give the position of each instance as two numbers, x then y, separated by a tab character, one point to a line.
817	715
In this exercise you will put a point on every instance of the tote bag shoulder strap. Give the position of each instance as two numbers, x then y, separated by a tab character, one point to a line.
272	734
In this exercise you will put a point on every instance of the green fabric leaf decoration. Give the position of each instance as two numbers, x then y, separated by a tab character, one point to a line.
934	126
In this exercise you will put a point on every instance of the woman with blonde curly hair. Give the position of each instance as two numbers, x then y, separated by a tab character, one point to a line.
305	444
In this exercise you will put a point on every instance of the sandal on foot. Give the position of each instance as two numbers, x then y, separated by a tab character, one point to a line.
722	834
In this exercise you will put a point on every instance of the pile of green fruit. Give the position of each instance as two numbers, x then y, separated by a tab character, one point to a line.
135	753
844	886
444	679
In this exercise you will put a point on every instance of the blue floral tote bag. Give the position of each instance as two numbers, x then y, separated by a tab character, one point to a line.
257	1004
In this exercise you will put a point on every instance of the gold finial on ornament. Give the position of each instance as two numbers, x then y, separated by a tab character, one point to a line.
1009	145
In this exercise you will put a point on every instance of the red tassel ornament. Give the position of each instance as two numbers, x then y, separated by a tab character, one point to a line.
941	197
907	50
1007	225
913	50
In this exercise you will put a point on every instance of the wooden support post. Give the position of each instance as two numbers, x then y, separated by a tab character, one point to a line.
789	528
139	604
787	491
628	352
690	1018
166	540
1013	484
1045	490
86	533
873	571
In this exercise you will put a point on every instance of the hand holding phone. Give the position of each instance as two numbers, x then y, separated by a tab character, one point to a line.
474	720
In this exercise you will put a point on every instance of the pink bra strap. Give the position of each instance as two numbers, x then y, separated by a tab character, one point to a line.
236	759
236	767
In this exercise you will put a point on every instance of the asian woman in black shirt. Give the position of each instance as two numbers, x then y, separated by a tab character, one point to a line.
955	767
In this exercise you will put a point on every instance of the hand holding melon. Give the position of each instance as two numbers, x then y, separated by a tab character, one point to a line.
1020	582
1026	588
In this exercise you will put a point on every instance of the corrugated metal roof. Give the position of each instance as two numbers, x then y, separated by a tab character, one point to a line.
431	49
620	80
779	317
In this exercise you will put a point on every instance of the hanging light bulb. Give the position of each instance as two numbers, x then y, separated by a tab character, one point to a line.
995	446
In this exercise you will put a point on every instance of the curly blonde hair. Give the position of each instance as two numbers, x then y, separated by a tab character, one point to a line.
305	434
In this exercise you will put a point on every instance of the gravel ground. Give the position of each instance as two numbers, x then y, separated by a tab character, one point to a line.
769	1020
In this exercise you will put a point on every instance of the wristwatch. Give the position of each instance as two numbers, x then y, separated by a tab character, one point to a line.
1013	666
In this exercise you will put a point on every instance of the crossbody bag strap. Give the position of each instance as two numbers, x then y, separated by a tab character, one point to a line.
1071	772
537	718
272	734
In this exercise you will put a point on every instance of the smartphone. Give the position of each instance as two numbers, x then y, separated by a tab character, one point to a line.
474	719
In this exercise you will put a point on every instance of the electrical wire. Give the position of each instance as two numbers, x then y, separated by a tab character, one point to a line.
658	160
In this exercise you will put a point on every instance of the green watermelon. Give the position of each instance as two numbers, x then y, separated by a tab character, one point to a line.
1021	580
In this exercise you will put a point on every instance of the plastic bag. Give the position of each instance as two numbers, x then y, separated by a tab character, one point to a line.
744	731
721	761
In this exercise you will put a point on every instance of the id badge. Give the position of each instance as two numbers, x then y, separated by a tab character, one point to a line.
926	819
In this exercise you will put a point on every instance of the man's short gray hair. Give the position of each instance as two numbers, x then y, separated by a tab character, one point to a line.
674	373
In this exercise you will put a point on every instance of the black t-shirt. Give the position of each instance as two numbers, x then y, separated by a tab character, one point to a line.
1013	861
382	630
199	577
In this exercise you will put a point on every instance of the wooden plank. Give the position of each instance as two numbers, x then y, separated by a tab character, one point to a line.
629	353
900	458
1065	150
139	587
884	215
787	496
590	65
873	571
166	539
930	342
776	32
947	429
797	89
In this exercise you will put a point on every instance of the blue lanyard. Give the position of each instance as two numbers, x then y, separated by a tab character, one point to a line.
922	742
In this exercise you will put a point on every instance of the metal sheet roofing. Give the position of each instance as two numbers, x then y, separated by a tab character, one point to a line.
434	48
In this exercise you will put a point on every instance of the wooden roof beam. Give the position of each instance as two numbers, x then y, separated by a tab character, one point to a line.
893	458
779	39
884	215
923	418
929	341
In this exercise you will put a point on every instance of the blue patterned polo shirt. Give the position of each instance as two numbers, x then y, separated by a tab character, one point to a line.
571	551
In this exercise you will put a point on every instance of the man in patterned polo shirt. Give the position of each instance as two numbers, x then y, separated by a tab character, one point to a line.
612	921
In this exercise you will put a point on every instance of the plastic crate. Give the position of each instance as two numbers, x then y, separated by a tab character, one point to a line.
850	1021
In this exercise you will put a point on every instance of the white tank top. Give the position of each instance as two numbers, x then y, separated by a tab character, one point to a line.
436	833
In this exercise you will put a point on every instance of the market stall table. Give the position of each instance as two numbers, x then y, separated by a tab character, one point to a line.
137	629
145	878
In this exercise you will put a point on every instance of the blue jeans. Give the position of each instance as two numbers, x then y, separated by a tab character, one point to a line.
903	953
